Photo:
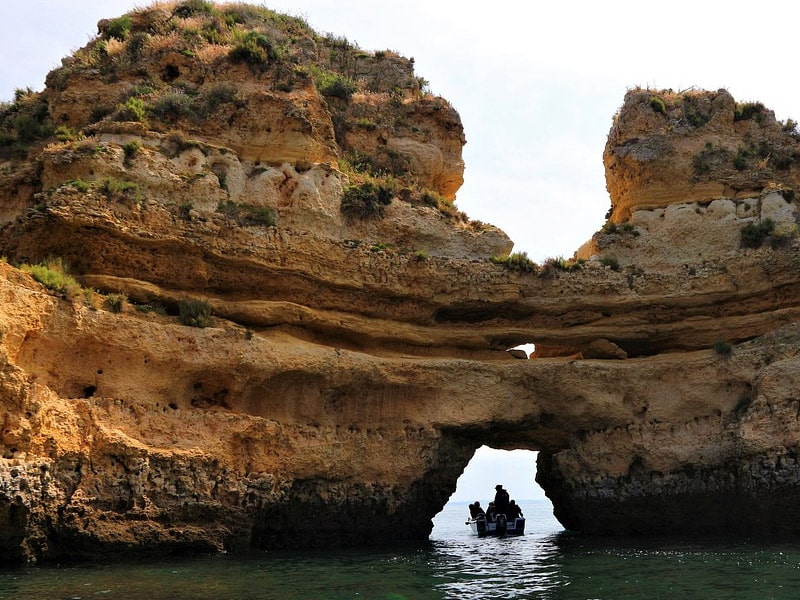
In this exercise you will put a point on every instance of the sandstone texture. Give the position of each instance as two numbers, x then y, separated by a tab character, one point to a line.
357	344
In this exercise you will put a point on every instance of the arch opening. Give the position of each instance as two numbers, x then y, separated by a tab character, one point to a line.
515	470
523	351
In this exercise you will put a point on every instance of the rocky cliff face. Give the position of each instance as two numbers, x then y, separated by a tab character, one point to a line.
291	196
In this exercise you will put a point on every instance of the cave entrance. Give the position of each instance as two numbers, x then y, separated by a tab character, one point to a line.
516	471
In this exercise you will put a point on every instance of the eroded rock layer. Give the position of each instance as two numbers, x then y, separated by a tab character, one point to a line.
281	332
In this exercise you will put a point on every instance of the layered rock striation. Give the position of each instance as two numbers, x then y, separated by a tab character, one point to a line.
227	167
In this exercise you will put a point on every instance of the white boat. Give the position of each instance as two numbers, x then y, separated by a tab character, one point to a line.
499	527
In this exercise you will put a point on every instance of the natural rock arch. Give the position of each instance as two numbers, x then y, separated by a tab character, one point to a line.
353	363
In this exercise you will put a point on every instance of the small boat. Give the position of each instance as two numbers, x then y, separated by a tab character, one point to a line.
499	527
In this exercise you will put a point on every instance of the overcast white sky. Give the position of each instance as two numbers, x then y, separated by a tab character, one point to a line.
536	83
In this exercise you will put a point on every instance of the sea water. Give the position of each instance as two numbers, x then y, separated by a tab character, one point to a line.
545	563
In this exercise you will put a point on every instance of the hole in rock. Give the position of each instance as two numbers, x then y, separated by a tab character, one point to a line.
89	391
170	73
523	349
515	470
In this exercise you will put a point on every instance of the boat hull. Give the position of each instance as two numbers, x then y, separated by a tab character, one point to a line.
497	528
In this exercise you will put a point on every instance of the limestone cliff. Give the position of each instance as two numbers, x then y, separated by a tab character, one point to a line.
290	195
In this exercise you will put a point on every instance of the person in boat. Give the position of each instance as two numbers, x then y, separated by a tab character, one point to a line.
475	510
501	500
490	512
514	511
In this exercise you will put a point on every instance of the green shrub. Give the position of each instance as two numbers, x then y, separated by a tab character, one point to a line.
66	134
610	262
334	85
740	159
80	185
694	114
30	128
518	261
754	234
194	313
131	149
559	263
116	302
118	187
421	255
255	49
365	123
153	307
259	215
611	228
748	110
119	28
658	105
189	8
173	106
135	45
52	274
366	200
248	215
134	109
221	93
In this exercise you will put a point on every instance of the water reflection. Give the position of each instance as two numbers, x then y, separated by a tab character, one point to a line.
543	564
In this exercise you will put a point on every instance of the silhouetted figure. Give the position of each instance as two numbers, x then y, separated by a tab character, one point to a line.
501	500
514	511
475	509
490	512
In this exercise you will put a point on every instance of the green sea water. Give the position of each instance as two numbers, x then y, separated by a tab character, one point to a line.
545	563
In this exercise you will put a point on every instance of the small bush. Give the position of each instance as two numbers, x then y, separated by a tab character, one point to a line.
723	348
248	215
255	49
611	228
748	110
694	114
754	234
518	261
610	262
189	8
118	187
366	200
559	263
116	302
658	105
740	159
80	185
421	255
260	215
153	307
66	134
131	149
119	28
334	85
173	106
222	93
134	109
52	274
194	313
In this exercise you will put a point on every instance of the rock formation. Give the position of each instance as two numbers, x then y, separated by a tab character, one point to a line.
281	333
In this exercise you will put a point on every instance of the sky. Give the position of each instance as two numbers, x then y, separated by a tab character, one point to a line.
536	84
